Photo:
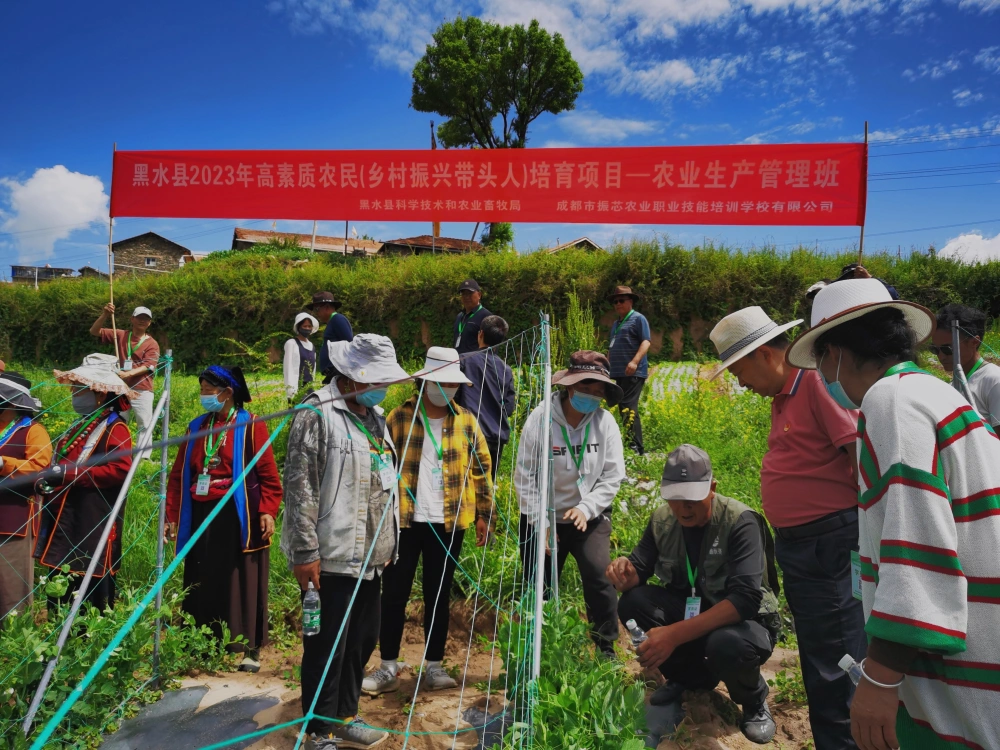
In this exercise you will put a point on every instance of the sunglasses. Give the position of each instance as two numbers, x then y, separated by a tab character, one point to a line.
944	349
619	300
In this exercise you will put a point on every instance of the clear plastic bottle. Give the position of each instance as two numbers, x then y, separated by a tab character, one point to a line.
852	668
637	633
310	611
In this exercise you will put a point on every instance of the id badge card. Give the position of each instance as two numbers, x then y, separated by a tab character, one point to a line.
458	340
201	488
386	473
856	574
580	480
437	480
692	607
612	342
127	365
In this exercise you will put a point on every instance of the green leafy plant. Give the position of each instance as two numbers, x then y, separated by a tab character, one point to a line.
788	685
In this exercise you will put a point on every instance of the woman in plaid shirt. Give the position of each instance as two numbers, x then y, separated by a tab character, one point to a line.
444	488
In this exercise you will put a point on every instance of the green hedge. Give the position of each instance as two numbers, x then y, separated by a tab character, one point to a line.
413	299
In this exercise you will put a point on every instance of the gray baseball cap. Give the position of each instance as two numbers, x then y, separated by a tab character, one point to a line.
687	475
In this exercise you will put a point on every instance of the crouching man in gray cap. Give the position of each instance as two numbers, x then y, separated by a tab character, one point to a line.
715	616
342	524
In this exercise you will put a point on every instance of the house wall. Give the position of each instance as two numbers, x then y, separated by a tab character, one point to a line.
134	252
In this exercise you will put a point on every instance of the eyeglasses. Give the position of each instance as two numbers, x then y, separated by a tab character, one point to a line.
944	349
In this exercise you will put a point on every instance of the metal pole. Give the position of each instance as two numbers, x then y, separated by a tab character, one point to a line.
958	374
345	238
111	267
861	243
543	491
312	245
164	434
145	439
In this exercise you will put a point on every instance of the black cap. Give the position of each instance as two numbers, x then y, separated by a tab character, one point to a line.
469	285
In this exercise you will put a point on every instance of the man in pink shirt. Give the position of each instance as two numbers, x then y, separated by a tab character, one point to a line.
809	493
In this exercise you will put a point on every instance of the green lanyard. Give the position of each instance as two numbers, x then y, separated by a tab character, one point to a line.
618	325
430	432
901	368
9	430
84	424
692	574
128	344
467	318
577	459
376	445
214	442
975	367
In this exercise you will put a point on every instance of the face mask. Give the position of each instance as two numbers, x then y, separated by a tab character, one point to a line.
371	398
835	389
307	332
85	402
211	403
434	394
584	402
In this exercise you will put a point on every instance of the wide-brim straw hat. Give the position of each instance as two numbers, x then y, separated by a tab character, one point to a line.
442	366
743	331
590	365
99	372
848	300
15	393
368	358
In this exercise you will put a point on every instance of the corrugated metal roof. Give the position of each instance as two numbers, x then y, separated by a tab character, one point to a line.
323	244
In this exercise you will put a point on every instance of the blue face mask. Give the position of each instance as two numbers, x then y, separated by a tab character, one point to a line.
584	402
371	398
835	389
211	403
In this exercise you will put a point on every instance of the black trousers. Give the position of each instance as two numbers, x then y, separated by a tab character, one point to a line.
732	654
628	408
341	690
829	622
496	454
591	549
428	540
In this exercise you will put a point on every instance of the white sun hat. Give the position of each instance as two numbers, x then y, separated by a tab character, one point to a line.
99	372
739	333
847	300
304	316
368	358
442	366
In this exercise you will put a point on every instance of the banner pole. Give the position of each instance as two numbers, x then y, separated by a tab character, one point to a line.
861	242
312	245
111	267
345	237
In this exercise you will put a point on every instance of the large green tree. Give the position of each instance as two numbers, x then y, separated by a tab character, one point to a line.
491	81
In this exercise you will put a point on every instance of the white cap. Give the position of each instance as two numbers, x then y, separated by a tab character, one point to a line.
846	662
142	311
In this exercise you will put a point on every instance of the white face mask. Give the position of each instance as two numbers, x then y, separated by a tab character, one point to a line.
434	394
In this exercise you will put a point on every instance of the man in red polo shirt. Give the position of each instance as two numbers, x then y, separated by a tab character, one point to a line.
809	493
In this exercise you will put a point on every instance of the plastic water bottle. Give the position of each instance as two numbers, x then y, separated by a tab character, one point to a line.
310	611
852	668
637	633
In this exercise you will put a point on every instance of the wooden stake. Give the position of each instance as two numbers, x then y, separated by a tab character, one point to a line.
111	267
861	243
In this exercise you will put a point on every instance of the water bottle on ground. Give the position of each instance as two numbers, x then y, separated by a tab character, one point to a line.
852	668
310	611
637	633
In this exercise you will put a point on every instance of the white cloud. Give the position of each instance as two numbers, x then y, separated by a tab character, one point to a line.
989	58
558	144
972	248
965	97
982	5
934	69
594	127
48	207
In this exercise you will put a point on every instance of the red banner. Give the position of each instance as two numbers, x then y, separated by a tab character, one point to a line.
794	184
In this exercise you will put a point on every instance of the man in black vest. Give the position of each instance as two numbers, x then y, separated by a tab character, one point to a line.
469	322
715	616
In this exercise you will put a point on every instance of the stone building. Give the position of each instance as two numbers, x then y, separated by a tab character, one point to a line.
244	239
148	252
425	244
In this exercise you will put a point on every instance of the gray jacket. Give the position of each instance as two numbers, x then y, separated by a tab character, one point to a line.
327	473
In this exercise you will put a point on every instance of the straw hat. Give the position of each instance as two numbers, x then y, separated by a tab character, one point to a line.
847	300
99	372
442	366
743	331
368	358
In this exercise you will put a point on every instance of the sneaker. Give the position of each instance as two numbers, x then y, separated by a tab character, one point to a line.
314	742
378	682
435	678
758	725
360	735
249	664
667	693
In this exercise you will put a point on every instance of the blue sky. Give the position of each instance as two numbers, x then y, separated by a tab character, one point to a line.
319	74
